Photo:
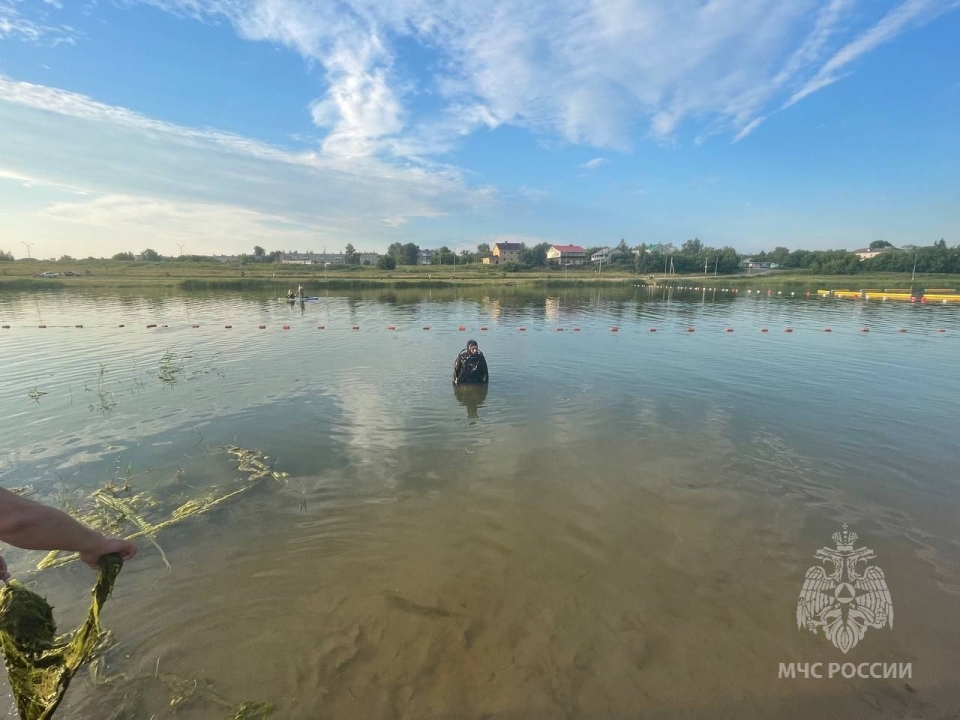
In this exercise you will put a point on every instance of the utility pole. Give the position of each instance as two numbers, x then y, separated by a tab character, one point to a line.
181	246
914	276
29	245
716	265
705	265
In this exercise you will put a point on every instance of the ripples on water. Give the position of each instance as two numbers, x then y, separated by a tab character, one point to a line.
620	525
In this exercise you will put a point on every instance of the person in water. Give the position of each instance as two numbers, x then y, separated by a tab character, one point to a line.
470	366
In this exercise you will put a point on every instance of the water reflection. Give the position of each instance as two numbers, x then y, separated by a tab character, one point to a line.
471	397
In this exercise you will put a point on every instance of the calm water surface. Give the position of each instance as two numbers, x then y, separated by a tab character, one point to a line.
618	527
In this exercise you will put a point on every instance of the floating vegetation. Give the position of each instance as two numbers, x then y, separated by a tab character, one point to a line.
113	509
104	396
39	664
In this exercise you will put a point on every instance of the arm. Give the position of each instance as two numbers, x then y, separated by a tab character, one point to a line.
457	365
483	363
29	525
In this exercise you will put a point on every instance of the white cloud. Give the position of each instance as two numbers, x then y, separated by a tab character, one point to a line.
594	163
57	140
749	128
34	181
911	12
590	72
15	24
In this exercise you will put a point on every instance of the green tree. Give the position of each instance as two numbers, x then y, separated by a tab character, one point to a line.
535	256
66	258
691	247
351	256
6	256
483	250
877	244
387	262
124	256
150	255
780	255
259	251
408	254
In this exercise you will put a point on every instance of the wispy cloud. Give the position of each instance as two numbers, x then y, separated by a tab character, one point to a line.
33	181
902	17
60	140
36	27
749	128
594	163
561	68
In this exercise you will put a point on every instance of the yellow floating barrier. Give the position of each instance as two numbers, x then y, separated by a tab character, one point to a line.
941	297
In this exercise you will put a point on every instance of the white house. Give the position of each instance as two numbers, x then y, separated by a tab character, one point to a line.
567	254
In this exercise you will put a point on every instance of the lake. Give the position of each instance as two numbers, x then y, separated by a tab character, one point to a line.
619	526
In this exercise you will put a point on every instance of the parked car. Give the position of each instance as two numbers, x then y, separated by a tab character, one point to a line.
49	273
71	273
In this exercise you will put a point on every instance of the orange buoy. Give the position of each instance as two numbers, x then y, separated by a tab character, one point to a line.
729	329
559	329
286	327
262	327
483	327
788	330
354	327
827	330
653	329
461	328
763	330
576	329
522	329
614	329
938	329
426	327
903	330
864	329
690	328
391	327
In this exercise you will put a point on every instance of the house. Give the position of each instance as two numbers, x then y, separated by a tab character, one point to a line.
867	253
425	257
503	252
605	254
567	254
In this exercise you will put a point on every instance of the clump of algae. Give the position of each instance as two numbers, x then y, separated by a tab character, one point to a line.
40	664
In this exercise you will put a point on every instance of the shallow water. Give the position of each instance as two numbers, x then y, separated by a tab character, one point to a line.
618	527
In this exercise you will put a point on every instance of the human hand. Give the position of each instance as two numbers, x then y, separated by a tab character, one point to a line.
105	546
4	573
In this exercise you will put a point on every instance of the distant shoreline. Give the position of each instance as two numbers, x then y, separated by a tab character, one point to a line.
269	277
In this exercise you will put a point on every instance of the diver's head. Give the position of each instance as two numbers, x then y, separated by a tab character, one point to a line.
472	347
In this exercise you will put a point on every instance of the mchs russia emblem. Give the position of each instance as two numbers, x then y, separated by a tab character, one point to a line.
840	598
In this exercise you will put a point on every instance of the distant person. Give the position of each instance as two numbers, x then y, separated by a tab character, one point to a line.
470	366
290	295
31	526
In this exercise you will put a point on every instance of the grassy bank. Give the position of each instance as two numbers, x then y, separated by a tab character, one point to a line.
272	278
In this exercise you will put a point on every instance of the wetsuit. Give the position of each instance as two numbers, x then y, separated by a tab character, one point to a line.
470	368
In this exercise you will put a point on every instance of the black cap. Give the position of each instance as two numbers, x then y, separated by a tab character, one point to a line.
472	342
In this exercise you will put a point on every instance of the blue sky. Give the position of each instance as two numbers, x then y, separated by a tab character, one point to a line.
310	124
